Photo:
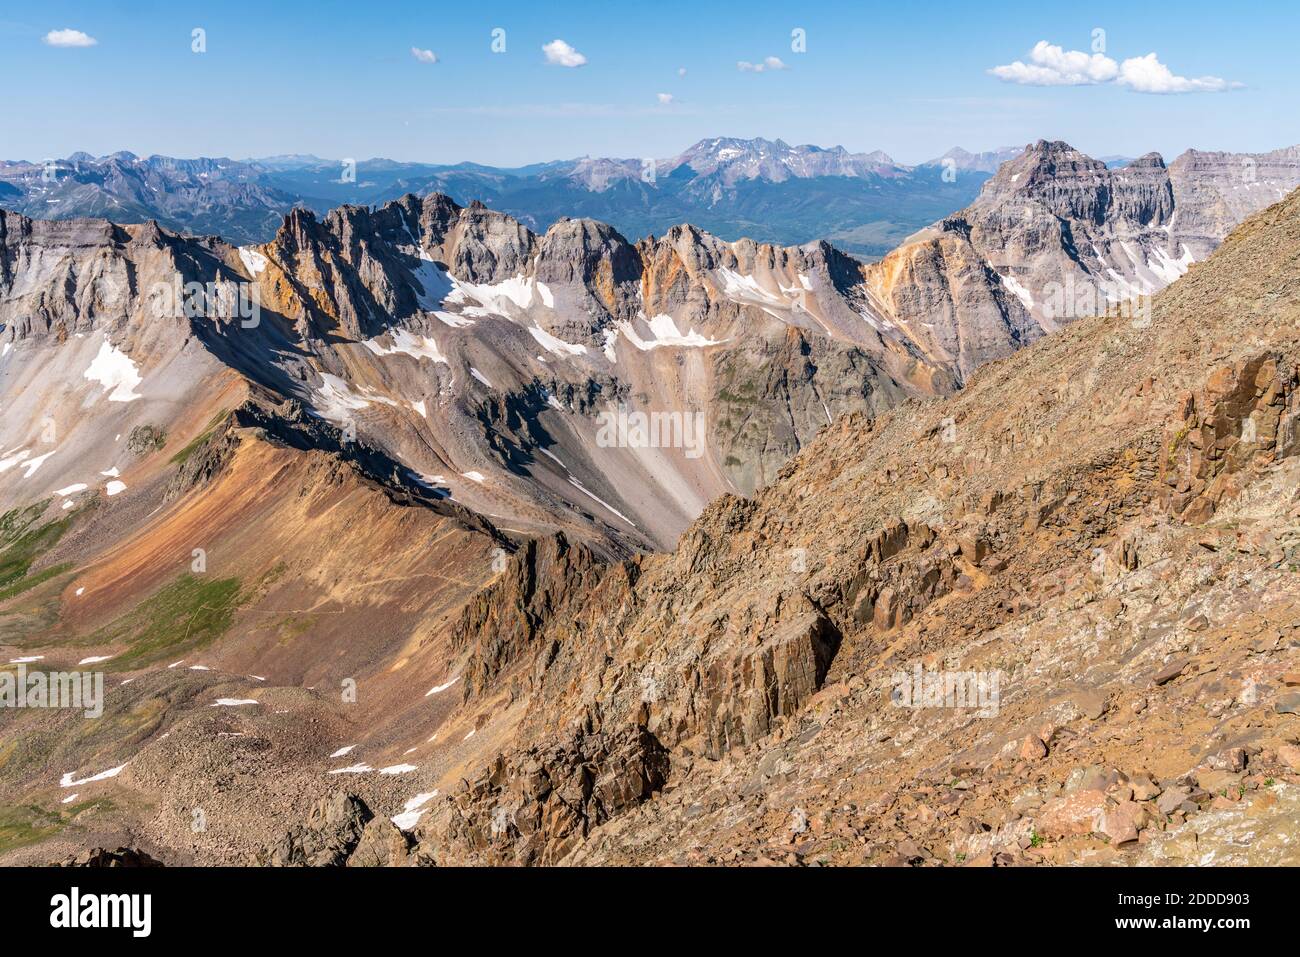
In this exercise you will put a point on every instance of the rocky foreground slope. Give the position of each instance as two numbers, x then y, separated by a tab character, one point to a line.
1093	549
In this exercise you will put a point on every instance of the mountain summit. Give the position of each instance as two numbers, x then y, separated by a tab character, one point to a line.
732	160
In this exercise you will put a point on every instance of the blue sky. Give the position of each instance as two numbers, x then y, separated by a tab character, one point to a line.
339	78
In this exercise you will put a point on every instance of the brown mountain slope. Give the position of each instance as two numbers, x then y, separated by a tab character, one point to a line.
250	614
1103	527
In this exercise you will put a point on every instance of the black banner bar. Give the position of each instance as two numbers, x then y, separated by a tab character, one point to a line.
335	906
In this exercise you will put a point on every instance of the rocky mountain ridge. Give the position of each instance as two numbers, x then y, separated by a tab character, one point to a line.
478	356
481	358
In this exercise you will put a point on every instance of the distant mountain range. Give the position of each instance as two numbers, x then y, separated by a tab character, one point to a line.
866	203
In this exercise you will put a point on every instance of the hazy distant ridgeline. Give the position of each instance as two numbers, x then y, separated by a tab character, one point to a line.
865	203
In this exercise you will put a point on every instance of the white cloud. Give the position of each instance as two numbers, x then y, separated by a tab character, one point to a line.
560	53
69	38
769	63
1146	74
424	56
664	98
1050	65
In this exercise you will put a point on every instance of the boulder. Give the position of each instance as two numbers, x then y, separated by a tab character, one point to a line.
1072	814
328	837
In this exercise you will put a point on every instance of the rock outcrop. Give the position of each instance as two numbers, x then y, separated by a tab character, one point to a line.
332	832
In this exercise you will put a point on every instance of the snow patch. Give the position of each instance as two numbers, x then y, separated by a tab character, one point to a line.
664	332
435	285
113	369
13	459
554	345
439	689
1168	268
31	465
254	262
336	399
70	780
1017	289
579	486
554	458
407	343
412	810
746	289
500	298
876	322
